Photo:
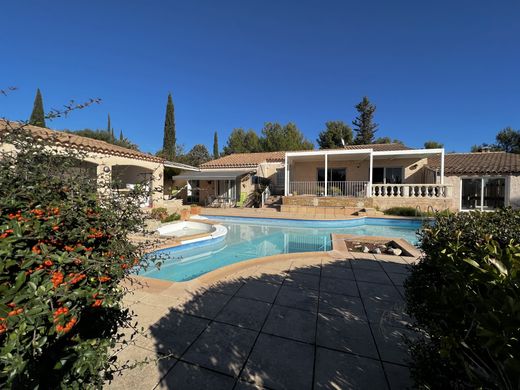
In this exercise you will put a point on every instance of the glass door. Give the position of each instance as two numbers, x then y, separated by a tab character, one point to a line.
483	193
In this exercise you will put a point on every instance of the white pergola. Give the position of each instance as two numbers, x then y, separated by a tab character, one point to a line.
357	154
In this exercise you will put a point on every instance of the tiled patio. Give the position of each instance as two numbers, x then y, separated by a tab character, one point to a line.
318	323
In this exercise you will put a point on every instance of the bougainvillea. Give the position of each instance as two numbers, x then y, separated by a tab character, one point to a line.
64	250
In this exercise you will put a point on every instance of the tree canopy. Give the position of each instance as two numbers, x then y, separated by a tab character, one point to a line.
276	137
241	141
507	140
169	138
334	132
196	156
104	135
433	145
215	146
364	124
38	114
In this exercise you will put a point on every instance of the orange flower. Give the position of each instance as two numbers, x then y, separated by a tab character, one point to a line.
69	248
76	278
103	279
14	312
77	261
11	305
58	312
55	227
97	303
57	278
36	250
48	263
3	328
67	327
124	266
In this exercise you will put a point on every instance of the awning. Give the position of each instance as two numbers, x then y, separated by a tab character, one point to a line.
213	174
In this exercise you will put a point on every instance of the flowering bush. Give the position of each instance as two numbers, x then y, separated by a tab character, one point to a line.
63	253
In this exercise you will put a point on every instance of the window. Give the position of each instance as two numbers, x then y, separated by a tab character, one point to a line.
333	174
483	193
280	177
387	175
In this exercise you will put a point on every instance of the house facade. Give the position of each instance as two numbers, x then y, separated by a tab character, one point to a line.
377	176
104	161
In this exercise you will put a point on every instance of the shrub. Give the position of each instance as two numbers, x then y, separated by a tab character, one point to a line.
465	297
159	213
63	253
403	211
171	218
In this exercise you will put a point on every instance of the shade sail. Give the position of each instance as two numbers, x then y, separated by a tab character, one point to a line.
214	174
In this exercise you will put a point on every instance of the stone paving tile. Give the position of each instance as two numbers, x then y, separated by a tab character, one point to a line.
385	313
362	259
261	291
186	376
291	323
337	370
391	343
338	273
146	375
222	347
298	298
311	269
398	376
364	275
346	263
270	278
206	305
397	278
360	263
343	334
245	313
342	305
243	385
228	287
402	268
296	279
173	333
280	364
339	286
378	291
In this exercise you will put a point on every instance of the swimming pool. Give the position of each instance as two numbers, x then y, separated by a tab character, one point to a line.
250	238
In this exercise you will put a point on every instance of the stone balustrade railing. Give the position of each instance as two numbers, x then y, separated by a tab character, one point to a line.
411	190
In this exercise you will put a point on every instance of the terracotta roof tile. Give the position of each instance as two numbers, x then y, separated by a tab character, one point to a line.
83	143
246	160
482	163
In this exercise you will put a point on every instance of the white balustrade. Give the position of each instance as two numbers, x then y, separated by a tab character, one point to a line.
359	189
356	189
411	191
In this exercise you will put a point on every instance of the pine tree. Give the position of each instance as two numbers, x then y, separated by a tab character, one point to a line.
364	123
215	146
38	114
169	139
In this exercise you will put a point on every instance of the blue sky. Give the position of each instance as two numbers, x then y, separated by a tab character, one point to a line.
442	70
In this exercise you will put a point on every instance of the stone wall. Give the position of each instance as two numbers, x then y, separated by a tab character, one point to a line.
336	201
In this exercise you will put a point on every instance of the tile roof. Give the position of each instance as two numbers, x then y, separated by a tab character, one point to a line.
246	160
83	143
482	163
379	147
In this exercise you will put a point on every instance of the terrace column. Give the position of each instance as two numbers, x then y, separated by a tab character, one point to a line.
370	165
442	166
285	184
326	172
104	178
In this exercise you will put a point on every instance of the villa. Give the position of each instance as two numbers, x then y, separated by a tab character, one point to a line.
377	176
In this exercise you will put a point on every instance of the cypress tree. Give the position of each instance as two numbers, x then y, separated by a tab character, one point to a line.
169	139
215	146
110	129
364	123
121	138
38	114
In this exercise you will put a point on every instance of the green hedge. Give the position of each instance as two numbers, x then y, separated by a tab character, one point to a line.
465	298
403	212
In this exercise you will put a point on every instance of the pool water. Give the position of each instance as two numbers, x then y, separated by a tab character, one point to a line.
250	238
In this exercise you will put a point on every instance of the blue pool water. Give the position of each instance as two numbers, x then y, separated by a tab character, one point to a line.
249	238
